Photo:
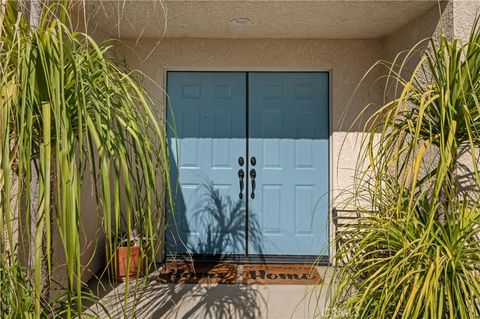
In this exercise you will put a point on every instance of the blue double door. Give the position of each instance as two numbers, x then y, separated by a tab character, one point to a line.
249	163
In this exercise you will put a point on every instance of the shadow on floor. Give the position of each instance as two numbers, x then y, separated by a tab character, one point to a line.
160	300
157	300
154	299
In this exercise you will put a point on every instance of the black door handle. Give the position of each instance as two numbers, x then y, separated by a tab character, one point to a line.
253	174
241	175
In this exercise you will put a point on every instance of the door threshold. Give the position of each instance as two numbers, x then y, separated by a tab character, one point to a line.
243	259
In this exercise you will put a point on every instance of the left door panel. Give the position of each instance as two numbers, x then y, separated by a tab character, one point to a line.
206	112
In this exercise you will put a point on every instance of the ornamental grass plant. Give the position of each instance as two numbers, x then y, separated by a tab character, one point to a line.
414	250
71	118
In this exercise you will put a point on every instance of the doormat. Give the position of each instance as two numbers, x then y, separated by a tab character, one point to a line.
280	274
248	274
198	273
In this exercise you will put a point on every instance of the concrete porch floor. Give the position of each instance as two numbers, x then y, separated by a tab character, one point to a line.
222	301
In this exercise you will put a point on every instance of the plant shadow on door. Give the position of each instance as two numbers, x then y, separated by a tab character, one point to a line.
223	221
220	223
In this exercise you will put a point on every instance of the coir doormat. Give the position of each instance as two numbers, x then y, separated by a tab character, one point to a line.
249	274
280	274
199	273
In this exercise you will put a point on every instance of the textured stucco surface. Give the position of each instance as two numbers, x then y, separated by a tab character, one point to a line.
327	19
417	32
464	13
92	247
405	45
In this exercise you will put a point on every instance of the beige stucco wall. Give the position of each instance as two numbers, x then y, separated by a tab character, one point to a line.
405	45
92	241
464	13
430	24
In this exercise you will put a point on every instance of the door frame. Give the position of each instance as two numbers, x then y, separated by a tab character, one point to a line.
251	258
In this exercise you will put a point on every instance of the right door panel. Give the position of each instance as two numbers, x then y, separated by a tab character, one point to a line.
288	136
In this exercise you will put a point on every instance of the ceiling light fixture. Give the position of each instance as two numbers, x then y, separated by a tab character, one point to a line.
240	22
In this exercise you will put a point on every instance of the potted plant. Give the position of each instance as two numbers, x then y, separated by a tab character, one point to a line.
134	251
130	258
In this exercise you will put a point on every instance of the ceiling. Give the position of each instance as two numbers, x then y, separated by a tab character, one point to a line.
359	19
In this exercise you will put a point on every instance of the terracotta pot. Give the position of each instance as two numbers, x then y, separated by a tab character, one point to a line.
136	262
